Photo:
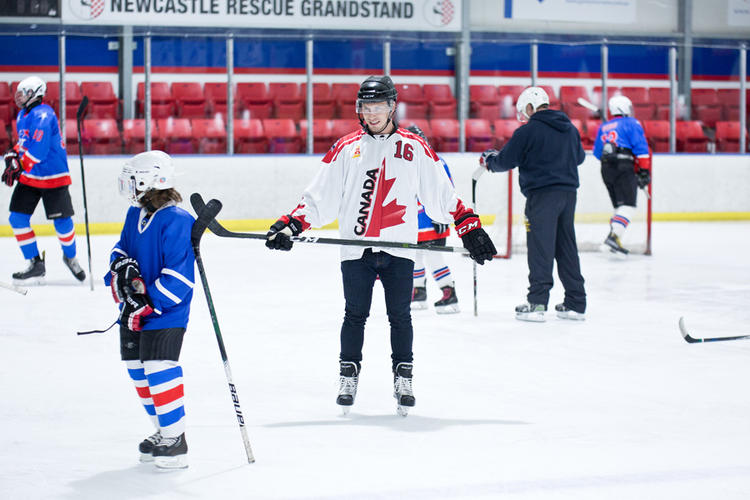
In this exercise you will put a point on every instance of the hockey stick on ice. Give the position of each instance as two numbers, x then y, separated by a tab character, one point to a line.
13	288
205	216
197	201
695	340
79	118
474	179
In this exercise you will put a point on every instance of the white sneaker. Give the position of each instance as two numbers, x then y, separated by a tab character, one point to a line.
531	312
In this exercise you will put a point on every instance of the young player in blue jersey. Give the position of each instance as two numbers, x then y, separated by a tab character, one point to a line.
626	165
432	233
547	151
39	163
152	277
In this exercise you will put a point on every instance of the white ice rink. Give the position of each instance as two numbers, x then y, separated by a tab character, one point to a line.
616	407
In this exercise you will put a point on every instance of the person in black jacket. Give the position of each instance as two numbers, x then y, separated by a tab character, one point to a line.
547	151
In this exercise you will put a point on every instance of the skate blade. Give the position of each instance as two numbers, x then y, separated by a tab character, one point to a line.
171	463
418	306
571	316
402	411
534	317
345	410
36	281
449	309
146	458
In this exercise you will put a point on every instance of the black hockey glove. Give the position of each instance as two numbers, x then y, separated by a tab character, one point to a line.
126	279
643	178
12	168
475	239
486	157
135	308
278	236
439	228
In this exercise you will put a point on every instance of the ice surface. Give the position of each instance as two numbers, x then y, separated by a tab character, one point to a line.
616	407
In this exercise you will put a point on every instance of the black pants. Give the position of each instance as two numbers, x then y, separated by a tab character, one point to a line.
396	275
551	236
621	183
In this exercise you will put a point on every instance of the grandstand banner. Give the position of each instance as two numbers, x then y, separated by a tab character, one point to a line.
411	15
582	11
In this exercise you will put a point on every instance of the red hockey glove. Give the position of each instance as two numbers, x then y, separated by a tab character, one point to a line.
486	157
474	238
135	308
643	171
12	168
126	279
278	236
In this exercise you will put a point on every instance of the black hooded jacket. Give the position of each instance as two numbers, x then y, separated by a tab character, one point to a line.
547	151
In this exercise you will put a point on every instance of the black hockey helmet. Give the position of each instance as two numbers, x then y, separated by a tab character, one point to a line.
376	89
416	130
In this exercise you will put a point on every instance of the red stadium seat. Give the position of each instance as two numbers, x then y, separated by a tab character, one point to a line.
177	134
635	94
103	102
690	137
189	99
162	102
730	103
249	137
101	137
644	110
324	105
345	95
569	95
484	102
445	134
578	124
706	106
254	99
728	137
4	138
508	97
504	130
216	99
322	135
440	100
344	126
657	134
287	100
209	135
72	98
71	137
592	127
134	136
411	101
554	102
478	135
659	95
423	124
282	136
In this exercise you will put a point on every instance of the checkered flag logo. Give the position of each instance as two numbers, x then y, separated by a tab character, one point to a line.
86	9
440	12
97	7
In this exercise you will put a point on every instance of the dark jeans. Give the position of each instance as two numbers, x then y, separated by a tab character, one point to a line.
359	278
551	236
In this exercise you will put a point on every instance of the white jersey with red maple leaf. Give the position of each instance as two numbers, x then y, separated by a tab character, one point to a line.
371	185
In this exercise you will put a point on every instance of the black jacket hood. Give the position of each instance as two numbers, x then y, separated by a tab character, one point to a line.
554	118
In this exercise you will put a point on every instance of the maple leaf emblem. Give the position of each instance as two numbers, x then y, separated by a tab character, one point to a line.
384	216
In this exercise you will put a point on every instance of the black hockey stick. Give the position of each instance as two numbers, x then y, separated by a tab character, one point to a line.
205	216
79	118
197	201
694	340
474	179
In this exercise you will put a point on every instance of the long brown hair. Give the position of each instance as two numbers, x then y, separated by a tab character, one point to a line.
157	198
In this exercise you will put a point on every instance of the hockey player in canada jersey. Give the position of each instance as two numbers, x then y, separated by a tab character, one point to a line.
370	181
152	277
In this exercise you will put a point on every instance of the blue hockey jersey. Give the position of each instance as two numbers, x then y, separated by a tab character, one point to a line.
623	132
426	229
161	245
41	149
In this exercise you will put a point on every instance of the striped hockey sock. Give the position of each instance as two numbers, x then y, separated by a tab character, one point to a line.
443	276
165	383
66	234
21	224
138	376
420	279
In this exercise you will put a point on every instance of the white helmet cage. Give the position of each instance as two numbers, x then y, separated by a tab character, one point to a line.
144	172
536	96
620	105
29	89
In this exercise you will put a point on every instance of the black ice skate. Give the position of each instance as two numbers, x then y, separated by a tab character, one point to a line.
34	274
348	379
171	453
531	312
614	245
75	268
147	446
449	303
402	388
419	298
565	313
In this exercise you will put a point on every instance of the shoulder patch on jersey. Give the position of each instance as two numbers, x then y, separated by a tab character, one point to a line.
336	149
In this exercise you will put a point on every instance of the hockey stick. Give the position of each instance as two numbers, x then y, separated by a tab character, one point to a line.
590	106
695	340
197	201
14	288
205	216
474	179
79	118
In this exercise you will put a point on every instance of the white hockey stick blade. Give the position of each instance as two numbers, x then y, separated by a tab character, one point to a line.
478	173
588	105
14	288
695	340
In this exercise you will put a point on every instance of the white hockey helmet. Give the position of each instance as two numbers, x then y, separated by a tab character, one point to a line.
29	89
620	105
536	96
144	172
